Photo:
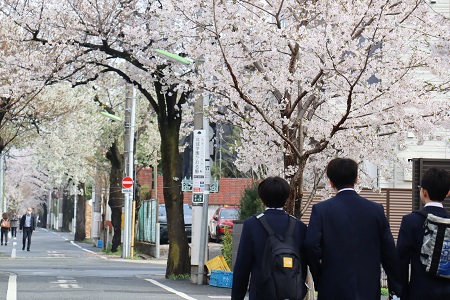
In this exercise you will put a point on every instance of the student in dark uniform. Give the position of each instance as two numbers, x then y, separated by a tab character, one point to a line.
273	191
434	187
347	241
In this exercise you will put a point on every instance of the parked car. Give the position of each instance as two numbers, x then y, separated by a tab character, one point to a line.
222	220
162	219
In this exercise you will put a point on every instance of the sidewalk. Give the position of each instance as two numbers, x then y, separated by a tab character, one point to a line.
214	249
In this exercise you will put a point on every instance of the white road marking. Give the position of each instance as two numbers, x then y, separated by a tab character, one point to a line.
67	283
13	252
76	245
89	251
11	294
55	254
169	289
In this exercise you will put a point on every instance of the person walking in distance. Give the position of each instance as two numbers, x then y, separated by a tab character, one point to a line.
27	224
14	220
5	226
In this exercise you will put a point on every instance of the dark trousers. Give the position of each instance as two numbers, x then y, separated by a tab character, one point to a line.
26	235
13	231
5	234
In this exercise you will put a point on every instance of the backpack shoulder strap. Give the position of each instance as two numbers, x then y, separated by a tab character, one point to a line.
292	223
422	212
265	224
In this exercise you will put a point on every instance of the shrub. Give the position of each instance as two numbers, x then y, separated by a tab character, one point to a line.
146	192
250	203
227	248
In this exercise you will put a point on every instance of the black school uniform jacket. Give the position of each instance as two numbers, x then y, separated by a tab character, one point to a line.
251	247
419	285
347	241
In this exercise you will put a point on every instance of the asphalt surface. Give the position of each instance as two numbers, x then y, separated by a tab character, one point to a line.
58	268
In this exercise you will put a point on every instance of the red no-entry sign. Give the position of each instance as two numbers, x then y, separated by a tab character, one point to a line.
127	182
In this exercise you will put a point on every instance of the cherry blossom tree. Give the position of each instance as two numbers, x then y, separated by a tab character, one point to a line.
59	152
146	139
310	80
80	41
24	184
304	80
22	110
71	162
54	155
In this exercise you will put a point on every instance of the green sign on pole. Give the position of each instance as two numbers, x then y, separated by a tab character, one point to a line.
197	198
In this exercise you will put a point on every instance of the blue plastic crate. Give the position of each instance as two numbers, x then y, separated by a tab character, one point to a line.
221	278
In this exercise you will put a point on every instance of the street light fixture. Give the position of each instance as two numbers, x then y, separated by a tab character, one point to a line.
178	58
111	116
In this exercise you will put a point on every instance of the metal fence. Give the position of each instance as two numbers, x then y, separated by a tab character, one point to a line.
147	221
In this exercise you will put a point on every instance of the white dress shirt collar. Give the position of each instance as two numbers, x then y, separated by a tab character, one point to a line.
435	204
346	189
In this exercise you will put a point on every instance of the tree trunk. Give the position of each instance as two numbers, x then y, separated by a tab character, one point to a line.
291	159
115	193
67	210
44	214
80	228
169	121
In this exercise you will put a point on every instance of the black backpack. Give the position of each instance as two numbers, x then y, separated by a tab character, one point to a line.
281	272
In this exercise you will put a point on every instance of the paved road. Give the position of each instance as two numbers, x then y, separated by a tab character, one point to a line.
58	268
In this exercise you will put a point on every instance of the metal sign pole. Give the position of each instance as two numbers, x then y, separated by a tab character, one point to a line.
130	115
203	254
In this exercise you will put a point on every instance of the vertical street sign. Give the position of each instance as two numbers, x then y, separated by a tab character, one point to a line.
198	178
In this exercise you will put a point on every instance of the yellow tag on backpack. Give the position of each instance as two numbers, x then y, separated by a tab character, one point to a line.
287	262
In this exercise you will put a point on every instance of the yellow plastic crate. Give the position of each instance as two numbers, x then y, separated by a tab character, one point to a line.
217	263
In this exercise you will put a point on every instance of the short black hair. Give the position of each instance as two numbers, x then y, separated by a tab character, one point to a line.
274	191
436	182
342	172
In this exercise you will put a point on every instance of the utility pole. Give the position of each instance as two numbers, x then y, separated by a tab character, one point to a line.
200	191
95	208
75	200
2	180
49	209
130	115
60	209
